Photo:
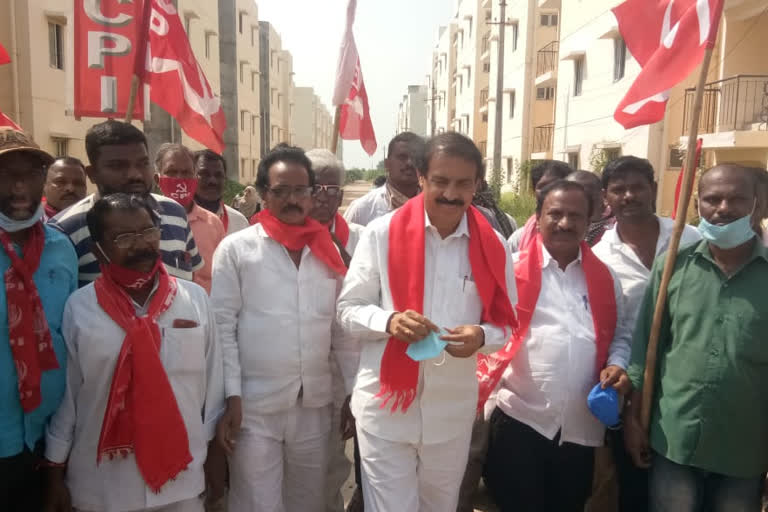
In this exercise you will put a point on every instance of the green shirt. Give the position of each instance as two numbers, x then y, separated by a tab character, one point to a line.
710	405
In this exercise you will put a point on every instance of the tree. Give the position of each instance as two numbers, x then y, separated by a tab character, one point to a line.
381	165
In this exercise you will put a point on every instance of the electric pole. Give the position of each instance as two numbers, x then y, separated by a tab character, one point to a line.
496	173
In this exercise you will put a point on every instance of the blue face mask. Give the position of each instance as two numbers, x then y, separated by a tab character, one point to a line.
12	225
429	347
729	235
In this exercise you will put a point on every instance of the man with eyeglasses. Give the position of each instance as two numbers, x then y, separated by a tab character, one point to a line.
274	287
145	384
39	271
119	162
211	173
329	178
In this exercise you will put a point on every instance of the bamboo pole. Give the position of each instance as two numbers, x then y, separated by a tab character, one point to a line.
335	138
651	355
139	61
132	98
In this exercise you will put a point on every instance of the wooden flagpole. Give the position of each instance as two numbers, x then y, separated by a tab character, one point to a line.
335	138
651	356
140	59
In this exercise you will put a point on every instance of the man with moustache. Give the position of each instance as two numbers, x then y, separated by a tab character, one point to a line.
599	221
274	287
345	356
707	449
573	333
145	383
211	173
404	154
430	282
119	162
64	185
39	271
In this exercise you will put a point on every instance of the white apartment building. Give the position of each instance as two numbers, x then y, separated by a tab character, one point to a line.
412	113
313	124
441	81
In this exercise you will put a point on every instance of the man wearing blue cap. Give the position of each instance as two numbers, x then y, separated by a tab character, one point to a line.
572	334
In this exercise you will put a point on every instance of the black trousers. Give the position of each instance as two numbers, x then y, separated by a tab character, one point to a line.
526	472
632	480
21	483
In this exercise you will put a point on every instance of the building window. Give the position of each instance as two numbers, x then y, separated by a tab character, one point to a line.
486	67
253	168
253	81
512	105
545	93
469	76
573	160
56	45
208	46
578	76
278	100
611	154
61	146
240	19
242	120
242	72
515	33
549	20
242	167
461	83
619	58
485	118
675	158
253	124
253	35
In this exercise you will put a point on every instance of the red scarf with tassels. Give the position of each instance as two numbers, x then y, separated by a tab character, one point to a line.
602	301
341	229
399	373
28	332
142	415
311	234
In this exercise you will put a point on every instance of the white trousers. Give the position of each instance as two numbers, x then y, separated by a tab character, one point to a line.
339	465
193	505
279	462
402	477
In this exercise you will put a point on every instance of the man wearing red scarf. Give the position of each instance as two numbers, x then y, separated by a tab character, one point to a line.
573	333
39	271
434	270
145	384
275	286
64	185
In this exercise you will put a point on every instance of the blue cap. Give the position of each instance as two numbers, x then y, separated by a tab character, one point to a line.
604	404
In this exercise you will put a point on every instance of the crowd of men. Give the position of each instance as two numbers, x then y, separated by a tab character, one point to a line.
165	352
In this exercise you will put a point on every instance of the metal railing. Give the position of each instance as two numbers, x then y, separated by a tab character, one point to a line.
542	138
734	103
546	58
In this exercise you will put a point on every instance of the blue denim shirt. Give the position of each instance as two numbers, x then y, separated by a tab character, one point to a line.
56	279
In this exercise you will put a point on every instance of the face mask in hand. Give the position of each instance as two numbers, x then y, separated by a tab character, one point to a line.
429	347
729	235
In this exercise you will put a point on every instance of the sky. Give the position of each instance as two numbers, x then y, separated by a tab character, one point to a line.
394	38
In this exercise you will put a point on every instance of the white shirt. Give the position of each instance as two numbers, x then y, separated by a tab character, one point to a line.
371	206
274	321
547	383
446	397
236	220
192	360
628	268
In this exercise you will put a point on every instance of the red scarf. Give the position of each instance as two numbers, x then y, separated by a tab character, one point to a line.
28	332
311	234
50	211
602	302
399	373
142	415
341	229
530	230
224	218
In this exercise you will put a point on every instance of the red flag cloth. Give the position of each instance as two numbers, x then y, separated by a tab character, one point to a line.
349	92
142	415
177	82
679	184
668	39
7	121
399	373
28	332
602	301
341	229
4	57
311	234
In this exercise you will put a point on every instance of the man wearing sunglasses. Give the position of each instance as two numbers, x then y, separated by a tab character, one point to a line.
275	286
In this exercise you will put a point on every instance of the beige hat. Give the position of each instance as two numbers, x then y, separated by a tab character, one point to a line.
14	140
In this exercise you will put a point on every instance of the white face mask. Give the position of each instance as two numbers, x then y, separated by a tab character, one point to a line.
728	235
12	225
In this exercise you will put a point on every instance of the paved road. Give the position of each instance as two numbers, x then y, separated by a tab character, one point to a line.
352	191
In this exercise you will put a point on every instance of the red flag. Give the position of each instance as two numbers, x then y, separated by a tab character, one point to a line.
7	121
668	39
679	184
349	93
4	57
177	82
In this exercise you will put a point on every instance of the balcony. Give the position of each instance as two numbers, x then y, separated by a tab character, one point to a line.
734	112
542	141
546	63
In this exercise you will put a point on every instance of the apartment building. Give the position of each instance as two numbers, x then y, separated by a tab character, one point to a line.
442	100
314	125
412	112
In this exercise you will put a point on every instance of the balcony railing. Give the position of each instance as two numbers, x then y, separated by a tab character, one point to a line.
731	104
486	43
542	138
546	58
483	96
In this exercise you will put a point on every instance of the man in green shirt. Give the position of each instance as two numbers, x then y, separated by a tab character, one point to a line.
708	446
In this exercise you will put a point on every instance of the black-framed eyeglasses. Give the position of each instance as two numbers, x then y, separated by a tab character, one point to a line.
127	240
329	190
284	192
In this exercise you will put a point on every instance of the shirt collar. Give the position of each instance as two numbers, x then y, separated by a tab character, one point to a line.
547	259
758	251
461	230
195	213
666	226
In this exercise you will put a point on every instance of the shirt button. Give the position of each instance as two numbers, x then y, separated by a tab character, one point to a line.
714	352
719	319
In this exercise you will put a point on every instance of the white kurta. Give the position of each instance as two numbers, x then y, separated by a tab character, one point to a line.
236	220
371	206
192	360
546	384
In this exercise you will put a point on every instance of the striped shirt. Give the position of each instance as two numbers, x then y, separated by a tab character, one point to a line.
177	245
